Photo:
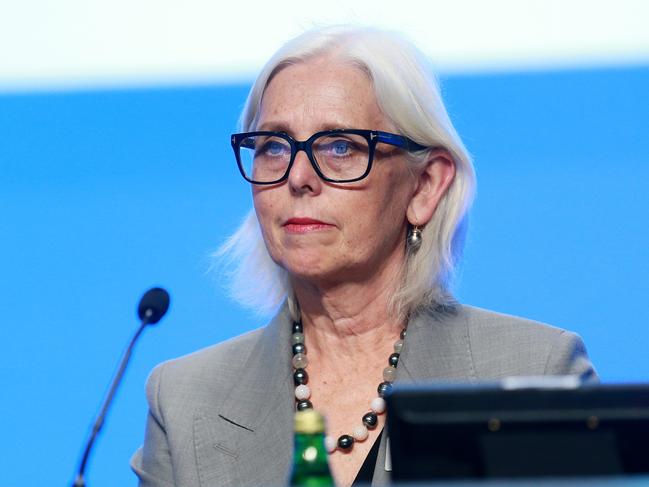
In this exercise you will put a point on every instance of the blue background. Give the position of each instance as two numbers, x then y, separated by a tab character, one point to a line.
106	193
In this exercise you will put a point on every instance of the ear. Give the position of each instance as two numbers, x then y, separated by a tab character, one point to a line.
432	183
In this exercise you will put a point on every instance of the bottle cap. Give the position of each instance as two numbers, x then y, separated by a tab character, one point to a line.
309	422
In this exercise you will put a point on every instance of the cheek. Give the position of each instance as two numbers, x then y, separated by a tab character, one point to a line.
266	209
383	210
264	203
372	221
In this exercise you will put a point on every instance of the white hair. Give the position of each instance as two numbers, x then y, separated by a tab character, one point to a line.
409	96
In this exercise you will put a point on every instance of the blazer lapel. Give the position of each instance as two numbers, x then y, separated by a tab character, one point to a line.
248	440
437	347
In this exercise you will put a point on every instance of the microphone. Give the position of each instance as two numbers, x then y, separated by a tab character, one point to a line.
152	307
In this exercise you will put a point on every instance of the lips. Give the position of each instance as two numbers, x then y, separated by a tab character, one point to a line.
305	225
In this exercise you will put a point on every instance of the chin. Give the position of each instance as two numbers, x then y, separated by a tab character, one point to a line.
305	270
314	269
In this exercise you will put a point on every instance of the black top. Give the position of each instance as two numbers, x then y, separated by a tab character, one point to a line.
365	474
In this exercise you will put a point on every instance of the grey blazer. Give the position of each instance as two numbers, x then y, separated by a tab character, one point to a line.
223	416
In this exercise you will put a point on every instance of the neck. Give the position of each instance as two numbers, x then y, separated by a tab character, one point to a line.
352	314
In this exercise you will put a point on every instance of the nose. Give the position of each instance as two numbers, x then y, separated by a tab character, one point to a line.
302	178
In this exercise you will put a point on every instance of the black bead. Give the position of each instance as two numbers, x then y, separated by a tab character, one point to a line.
370	420
303	405
403	334
300	377
345	442
297	327
384	388
394	359
299	348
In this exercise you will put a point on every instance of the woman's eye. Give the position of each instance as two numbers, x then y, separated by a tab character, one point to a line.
340	148
273	148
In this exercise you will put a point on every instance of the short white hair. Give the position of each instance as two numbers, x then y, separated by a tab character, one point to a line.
409	96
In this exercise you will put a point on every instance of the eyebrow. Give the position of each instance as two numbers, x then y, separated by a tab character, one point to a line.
283	127
273	127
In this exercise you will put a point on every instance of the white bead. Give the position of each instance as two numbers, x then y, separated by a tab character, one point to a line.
302	392
330	444
378	405
360	433
398	346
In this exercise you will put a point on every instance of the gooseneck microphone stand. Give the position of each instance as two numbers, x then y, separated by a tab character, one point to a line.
153	305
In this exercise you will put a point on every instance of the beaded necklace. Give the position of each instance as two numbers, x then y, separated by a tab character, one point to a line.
302	391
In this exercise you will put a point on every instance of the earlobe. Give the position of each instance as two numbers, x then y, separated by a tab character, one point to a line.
432	183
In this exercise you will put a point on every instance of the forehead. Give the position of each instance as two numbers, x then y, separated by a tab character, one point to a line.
320	94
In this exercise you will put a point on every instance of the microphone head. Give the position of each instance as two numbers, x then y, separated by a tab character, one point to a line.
153	305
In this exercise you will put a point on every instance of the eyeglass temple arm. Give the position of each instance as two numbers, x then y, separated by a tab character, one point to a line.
399	141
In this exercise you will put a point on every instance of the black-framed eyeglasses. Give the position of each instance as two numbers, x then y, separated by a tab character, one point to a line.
337	156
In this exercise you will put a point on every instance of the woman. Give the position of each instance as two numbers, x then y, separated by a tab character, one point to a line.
361	188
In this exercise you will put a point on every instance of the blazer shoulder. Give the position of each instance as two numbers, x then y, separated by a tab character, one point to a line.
503	345
227	355
200	378
487	321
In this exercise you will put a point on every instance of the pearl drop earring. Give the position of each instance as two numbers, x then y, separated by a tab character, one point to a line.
414	238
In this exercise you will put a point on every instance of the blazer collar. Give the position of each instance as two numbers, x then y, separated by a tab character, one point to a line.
437	347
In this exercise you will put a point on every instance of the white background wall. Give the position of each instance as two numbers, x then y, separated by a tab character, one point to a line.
47	43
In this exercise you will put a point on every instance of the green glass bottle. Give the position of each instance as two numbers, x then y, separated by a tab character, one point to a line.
310	464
